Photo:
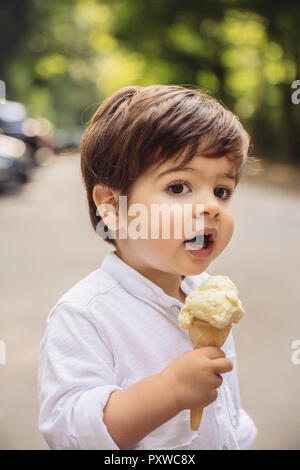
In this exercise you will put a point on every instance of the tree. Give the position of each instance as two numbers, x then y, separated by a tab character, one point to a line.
70	55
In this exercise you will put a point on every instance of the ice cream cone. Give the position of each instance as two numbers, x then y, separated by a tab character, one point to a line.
208	314
203	334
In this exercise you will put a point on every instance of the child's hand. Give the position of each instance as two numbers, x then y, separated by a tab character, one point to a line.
193	377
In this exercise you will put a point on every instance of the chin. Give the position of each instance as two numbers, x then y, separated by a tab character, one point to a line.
196	269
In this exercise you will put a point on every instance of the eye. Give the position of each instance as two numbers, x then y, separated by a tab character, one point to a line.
218	192
176	188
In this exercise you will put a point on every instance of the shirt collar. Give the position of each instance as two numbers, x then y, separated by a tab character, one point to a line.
141	287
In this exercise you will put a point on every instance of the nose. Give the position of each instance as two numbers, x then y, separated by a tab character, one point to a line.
210	205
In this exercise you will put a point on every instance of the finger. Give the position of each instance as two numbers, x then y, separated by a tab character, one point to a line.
221	366
219	380
212	352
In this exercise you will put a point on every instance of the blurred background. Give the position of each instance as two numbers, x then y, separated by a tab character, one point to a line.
58	61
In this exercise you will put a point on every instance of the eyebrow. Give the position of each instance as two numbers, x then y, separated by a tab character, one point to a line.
233	176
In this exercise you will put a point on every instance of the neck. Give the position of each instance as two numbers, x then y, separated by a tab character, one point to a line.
169	283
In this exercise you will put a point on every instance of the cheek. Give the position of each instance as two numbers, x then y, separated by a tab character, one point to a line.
229	227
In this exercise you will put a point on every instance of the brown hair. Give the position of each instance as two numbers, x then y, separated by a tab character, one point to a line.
139	127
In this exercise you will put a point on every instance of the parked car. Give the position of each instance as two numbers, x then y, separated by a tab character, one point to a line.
15	162
35	133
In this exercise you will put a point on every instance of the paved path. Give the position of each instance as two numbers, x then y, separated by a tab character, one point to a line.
47	245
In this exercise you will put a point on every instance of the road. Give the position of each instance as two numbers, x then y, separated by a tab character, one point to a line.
47	244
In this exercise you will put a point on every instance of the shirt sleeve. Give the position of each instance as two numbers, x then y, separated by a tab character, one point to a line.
75	379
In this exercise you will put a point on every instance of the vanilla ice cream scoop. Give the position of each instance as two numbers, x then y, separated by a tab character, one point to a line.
216	301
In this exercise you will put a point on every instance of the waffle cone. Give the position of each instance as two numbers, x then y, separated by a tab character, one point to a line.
203	334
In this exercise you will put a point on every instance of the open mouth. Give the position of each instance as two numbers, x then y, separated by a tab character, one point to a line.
200	242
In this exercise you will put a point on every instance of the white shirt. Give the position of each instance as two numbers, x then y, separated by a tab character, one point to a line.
112	329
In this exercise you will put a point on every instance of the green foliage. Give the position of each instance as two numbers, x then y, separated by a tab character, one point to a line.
70	55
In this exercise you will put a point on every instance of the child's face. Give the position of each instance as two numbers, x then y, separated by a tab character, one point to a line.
204	185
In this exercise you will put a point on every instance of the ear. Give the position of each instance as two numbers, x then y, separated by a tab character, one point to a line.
107	203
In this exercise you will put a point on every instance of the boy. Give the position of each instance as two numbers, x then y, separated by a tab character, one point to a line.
116	371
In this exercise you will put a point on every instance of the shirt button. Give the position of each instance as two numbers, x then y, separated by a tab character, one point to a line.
175	308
